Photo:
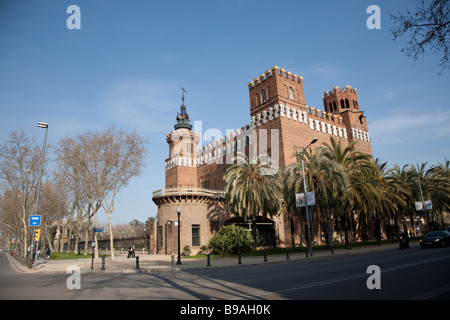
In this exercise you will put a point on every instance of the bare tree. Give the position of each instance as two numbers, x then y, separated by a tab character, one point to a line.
54	208
78	163
10	210
99	164
124	159
20	160
429	30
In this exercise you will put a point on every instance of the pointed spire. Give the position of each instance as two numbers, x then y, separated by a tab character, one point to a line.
183	120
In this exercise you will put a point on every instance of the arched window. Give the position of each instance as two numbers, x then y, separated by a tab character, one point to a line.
291	93
263	96
342	104
347	105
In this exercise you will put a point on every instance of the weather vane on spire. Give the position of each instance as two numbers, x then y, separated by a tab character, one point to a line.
183	120
183	90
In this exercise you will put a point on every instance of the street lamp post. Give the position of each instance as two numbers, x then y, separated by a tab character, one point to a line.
179	255
423	206
45	126
308	217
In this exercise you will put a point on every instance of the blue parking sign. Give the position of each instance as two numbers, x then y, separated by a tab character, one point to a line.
35	221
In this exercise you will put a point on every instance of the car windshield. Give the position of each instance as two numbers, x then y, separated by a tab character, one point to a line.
434	234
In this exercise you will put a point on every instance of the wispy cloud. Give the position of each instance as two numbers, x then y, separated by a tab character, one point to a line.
411	125
141	103
324	70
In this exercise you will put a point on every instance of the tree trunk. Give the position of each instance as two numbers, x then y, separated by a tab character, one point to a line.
86	240
377	227
254	232
111	240
346	223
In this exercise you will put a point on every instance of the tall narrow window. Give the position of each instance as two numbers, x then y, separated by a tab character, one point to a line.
291	93
195	235
263	96
347	105
189	147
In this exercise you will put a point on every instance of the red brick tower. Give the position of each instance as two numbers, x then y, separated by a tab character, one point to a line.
344	102
276	86
271	94
181	166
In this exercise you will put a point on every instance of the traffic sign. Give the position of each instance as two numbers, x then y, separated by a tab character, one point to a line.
35	221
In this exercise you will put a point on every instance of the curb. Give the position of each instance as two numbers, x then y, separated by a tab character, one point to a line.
195	263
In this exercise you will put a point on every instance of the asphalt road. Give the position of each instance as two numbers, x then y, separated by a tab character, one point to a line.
407	274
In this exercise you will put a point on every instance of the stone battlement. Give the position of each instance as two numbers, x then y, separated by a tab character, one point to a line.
348	89
275	71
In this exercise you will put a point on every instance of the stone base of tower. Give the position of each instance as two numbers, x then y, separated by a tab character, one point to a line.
203	211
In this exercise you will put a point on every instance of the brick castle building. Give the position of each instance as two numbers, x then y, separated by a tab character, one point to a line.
281	125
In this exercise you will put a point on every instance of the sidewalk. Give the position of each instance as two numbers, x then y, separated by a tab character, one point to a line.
163	263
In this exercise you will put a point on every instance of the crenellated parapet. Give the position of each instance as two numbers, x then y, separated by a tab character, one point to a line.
336	90
275	71
339	100
274	85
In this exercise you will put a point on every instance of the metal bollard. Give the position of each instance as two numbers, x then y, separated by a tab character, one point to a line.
265	255
137	262
287	254
103	263
208	260
239	257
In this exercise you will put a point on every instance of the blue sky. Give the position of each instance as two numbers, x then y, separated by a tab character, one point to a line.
126	64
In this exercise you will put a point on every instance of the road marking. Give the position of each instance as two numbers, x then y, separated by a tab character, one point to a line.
433	293
352	277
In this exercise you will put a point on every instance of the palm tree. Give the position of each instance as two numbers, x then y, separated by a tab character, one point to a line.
325	177
398	181
329	181
421	184
249	191
379	200
435	185
351	163
440	191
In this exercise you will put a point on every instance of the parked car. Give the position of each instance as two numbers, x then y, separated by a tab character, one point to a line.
440	238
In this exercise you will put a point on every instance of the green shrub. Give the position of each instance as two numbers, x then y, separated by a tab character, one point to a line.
231	239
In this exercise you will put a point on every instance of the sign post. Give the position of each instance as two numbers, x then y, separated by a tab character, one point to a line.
34	221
